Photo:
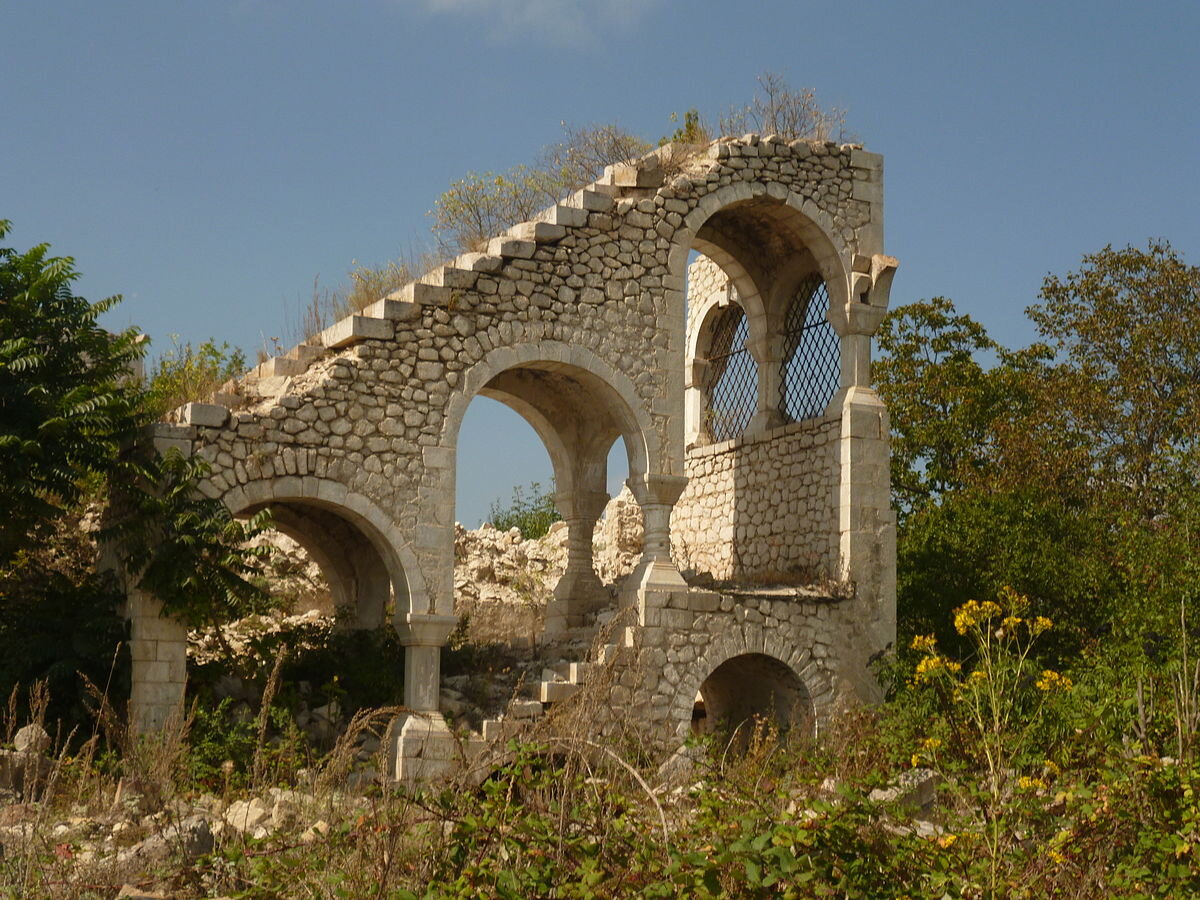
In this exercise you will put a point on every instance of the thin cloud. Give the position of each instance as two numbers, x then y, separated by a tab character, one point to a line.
562	19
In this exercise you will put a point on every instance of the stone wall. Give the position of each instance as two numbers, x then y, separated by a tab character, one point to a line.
762	507
576	320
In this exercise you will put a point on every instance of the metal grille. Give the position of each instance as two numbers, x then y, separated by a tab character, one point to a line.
811	358
732	379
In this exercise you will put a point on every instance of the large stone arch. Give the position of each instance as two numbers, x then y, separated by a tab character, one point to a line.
640	435
578	403
807	238
813	226
356	511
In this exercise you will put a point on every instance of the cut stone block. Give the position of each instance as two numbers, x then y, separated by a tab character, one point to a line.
556	691
451	277
539	232
392	310
422	293
206	415
590	200
353	329
512	248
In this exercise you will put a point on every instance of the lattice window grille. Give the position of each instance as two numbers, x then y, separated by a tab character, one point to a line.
732	376
812	357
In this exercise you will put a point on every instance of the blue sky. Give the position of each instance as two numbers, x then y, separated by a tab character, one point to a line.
210	160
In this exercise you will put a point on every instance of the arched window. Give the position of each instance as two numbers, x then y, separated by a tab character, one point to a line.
731	380
811	358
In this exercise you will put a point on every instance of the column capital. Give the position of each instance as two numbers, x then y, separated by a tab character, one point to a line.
657	489
424	629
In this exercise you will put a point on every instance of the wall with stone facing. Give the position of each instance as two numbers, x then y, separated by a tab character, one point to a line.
816	635
762	507
376	411
576	320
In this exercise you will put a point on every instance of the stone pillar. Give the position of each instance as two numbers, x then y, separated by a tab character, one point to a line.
656	577
867	526
866	521
158	648
420	744
768	355
579	591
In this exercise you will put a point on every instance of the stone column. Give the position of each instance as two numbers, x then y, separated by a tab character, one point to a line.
651	584
579	591
768	355
158	648
866	521
419	742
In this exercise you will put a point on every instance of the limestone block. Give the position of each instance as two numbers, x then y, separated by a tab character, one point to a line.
353	329
421	293
539	232
394	310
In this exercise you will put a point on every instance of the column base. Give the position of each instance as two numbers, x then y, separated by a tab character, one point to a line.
421	748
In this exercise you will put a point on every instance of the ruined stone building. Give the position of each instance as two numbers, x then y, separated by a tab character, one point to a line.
713	311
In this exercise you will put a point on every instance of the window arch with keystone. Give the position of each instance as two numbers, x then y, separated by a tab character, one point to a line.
730	375
810	370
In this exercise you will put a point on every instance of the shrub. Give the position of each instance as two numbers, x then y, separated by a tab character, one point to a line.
531	510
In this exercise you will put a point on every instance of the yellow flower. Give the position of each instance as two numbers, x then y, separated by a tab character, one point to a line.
978	675
1011	621
930	665
1057	858
1051	768
1040	624
1053	681
972	613
1026	783
924	643
946	840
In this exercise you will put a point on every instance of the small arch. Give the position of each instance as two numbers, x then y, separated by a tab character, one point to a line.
797	220
319	509
725	371
753	687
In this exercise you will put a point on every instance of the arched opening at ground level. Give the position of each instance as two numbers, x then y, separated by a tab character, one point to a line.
752	689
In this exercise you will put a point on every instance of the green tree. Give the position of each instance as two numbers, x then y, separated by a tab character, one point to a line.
1067	469
72	417
66	396
1125	329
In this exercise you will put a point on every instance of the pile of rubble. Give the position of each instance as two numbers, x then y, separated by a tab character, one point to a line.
502	582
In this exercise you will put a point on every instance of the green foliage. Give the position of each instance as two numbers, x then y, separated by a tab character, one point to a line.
1067	469
184	373
1052	781
1126	331
692	131
71	412
60	619
531	513
65	403
184	548
481	206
